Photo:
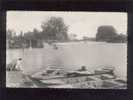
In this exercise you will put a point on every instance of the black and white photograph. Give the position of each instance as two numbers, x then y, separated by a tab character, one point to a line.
66	49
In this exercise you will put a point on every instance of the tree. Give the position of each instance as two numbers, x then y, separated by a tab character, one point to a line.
37	34
54	29
10	34
106	33
28	35
122	38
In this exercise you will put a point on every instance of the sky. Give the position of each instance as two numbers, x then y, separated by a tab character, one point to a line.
80	23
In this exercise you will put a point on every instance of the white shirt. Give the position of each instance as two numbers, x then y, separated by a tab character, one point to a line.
19	65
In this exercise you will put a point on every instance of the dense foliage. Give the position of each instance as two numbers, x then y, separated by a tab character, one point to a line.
54	29
109	34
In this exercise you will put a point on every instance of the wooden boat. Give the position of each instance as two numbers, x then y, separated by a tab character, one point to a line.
59	78
105	70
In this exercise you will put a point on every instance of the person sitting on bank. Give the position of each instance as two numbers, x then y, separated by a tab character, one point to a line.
15	65
19	65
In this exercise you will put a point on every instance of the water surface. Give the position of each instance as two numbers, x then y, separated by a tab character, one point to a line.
73	55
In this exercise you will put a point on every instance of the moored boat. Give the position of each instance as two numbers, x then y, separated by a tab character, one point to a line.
54	77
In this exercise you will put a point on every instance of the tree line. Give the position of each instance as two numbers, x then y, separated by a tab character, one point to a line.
108	34
55	30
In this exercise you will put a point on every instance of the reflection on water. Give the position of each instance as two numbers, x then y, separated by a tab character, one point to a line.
72	56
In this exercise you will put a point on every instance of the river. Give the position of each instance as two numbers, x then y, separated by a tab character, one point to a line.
73	55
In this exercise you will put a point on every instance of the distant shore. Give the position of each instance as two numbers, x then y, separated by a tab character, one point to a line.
72	41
